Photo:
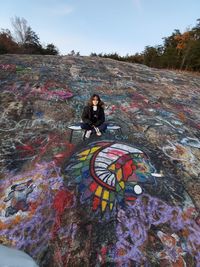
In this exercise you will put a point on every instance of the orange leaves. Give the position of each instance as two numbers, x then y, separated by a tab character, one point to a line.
182	40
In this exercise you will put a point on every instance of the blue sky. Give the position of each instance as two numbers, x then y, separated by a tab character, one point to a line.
108	26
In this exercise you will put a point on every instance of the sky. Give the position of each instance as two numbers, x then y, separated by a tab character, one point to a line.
102	26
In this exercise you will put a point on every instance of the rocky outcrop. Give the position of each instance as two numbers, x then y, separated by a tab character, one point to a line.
158	111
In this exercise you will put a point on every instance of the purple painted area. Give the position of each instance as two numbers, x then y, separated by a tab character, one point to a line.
135	222
8	67
47	91
34	230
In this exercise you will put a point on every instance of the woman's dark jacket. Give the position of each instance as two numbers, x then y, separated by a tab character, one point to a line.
88	116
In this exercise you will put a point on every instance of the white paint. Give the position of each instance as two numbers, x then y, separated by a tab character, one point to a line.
157	174
138	189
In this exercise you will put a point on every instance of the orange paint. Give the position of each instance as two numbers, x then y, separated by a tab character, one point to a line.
96	203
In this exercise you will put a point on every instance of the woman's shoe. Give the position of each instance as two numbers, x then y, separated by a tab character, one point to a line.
97	131
88	133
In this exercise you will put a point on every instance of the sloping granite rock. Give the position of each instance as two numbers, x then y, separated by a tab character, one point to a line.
43	211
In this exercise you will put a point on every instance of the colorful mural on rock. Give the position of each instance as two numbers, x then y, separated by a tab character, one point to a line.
110	177
110	173
128	199
26	202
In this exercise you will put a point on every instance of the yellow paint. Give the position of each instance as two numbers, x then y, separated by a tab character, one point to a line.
122	185
119	174
111	206
112	167
84	153
94	149
103	205
106	194
83	158
98	191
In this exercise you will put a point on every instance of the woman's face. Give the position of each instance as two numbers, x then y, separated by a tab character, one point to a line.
95	101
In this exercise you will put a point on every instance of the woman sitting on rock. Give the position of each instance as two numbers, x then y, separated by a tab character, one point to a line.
93	117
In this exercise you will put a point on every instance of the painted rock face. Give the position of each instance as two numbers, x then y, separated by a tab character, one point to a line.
109	172
26	213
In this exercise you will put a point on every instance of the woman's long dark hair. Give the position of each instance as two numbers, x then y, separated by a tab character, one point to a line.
100	103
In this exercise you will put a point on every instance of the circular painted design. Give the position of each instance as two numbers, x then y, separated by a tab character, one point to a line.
109	173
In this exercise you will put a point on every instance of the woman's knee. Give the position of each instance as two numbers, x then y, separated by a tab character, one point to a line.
103	127
85	126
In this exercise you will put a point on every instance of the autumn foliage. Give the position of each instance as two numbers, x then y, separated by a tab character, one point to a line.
179	51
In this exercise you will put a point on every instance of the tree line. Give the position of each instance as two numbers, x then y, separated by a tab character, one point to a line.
24	40
179	51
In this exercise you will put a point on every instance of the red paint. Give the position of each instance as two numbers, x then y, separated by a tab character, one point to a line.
63	199
133	166
51	90
93	186
130	198
113	108
33	206
60	155
96	203
58	158
127	169
118	166
103	254
116	152
25	147
9	67
135	105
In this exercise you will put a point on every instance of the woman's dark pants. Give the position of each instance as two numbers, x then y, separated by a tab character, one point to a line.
101	127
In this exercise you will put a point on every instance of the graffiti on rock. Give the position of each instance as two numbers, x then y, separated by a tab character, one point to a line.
26	203
18	196
108	203
134	227
110	172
